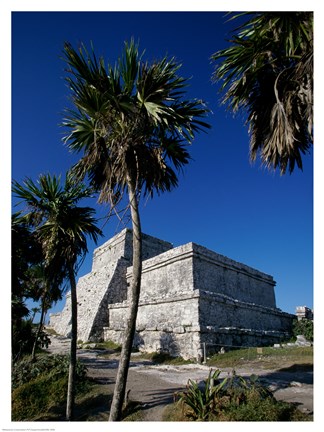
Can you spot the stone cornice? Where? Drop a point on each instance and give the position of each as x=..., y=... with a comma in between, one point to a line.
x=192, y=250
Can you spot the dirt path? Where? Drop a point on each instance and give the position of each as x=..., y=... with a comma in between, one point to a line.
x=151, y=390
x=154, y=385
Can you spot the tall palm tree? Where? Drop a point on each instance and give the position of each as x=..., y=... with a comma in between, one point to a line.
x=62, y=228
x=35, y=311
x=43, y=288
x=267, y=71
x=132, y=126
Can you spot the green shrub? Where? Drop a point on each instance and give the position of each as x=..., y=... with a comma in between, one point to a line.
x=234, y=399
x=304, y=327
x=23, y=338
x=106, y=345
x=109, y=345
x=41, y=385
x=54, y=366
x=261, y=409
x=36, y=397
x=201, y=401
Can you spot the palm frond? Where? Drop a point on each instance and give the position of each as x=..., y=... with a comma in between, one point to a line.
x=267, y=72
x=124, y=114
x=129, y=66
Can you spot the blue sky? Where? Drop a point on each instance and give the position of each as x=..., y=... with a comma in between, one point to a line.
x=223, y=202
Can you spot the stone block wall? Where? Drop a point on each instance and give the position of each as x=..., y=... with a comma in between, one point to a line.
x=94, y=291
x=167, y=275
x=190, y=296
x=222, y=311
x=121, y=245
x=168, y=309
x=188, y=299
x=112, y=250
x=227, y=322
x=216, y=273
x=162, y=325
x=105, y=284
x=61, y=321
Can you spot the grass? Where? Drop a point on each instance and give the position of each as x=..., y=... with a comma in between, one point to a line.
x=232, y=399
x=270, y=358
x=133, y=411
x=107, y=345
x=43, y=399
x=174, y=413
x=268, y=409
x=292, y=359
x=93, y=406
x=40, y=387
x=40, y=401
x=155, y=357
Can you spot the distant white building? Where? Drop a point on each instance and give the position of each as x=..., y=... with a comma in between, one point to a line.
x=304, y=312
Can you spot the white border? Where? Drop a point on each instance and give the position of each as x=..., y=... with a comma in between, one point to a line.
x=6, y=8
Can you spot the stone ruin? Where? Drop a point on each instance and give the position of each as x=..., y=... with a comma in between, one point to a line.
x=304, y=312
x=190, y=298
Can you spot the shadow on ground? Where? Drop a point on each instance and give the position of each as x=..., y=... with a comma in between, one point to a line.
x=160, y=397
x=282, y=378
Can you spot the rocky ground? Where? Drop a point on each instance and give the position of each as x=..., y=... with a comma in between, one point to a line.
x=154, y=385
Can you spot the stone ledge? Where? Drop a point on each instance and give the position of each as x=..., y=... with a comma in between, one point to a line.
x=241, y=331
x=192, y=250
x=223, y=298
x=125, y=304
x=223, y=261
x=171, y=256
x=160, y=329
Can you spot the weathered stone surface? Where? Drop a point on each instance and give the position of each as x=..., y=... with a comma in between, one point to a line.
x=121, y=246
x=216, y=273
x=105, y=284
x=190, y=297
x=302, y=341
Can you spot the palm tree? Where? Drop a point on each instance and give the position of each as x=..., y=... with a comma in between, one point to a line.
x=268, y=72
x=62, y=228
x=35, y=310
x=132, y=126
x=26, y=253
x=43, y=288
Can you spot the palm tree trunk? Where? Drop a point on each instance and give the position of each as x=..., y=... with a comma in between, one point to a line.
x=33, y=356
x=33, y=317
x=73, y=349
x=121, y=380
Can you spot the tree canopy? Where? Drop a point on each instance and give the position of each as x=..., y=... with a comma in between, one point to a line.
x=131, y=119
x=267, y=73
